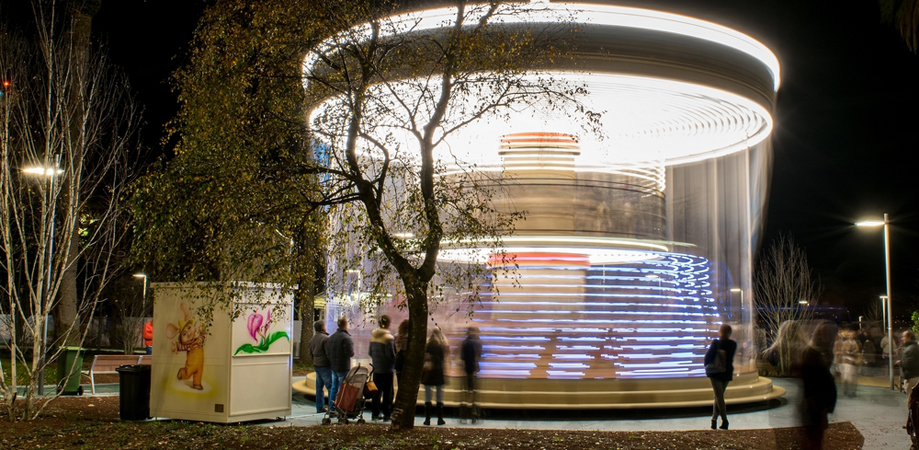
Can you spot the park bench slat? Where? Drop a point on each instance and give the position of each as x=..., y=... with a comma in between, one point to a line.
x=106, y=364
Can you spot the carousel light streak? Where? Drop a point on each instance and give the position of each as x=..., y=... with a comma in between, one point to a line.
x=708, y=123
x=601, y=15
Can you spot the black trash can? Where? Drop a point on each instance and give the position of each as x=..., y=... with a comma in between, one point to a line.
x=134, y=388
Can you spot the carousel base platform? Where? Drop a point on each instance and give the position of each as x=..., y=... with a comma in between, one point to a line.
x=598, y=394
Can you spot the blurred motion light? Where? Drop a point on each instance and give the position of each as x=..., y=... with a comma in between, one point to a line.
x=43, y=171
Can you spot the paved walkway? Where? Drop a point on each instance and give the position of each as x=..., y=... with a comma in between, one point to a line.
x=877, y=411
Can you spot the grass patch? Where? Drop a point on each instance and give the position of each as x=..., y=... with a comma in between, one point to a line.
x=23, y=371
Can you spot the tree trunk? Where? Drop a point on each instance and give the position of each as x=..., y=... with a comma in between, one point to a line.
x=305, y=298
x=65, y=314
x=403, y=417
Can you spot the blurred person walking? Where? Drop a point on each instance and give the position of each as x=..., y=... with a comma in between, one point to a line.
x=869, y=351
x=819, y=388
x=340, y=349
x=432, y=376
x=788, y=345
x=719, y=368
x=383, y=354
x=847, y=357
x=321, y=364
x=470, y=352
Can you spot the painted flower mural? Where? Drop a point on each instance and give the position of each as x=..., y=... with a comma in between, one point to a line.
x=258, y=326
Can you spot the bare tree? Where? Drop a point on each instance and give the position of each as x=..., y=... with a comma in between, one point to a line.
x=129, y=309
x=783, y=280
x=67, y=127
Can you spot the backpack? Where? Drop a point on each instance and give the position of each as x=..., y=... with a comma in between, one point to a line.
x=719, y=364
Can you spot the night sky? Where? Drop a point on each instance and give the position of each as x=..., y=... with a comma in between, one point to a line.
x=846, y=124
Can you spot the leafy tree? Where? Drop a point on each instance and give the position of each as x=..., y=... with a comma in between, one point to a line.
x=292, y=109
x=68, y=111
x=219, y=211
x=904, y=14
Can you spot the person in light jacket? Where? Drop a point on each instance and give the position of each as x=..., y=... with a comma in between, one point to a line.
x=721, y=379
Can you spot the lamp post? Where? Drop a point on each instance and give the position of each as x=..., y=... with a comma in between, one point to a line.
x=143, y=296
x=891, y=345
x=890, y=342
x=883, y=311
x=51, y=173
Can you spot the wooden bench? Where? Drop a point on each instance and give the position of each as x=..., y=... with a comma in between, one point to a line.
x=106, y=364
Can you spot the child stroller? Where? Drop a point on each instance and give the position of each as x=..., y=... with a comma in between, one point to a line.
x=349, y=403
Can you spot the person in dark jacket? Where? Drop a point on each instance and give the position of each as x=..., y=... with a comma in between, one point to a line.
x=401, y=346
x=321, y=363
x=720, y=379
x=470, y=352
x=435, y=352
x=383, y=354
x=909, y=360
x=340, y=349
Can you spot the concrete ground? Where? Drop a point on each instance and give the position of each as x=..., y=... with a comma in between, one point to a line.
x=878, y=412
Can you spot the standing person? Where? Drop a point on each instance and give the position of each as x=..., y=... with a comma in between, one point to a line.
x=322, y=364
x=819, y=388
x=909, y=360
x=383, y=353
x=401, y=346
x=340, y=349
x=869, y=350
x=435, y=352
x=847, y=356
x=148, y=336
x=719, y=368
x=470, y=352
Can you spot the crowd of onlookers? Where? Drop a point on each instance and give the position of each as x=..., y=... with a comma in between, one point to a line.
x=332, y=361
x=858, y=352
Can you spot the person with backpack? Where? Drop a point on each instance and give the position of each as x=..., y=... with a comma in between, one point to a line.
x=719, y=368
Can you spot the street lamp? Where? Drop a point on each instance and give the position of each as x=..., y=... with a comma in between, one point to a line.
x=51, y=173
x=890, y=342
